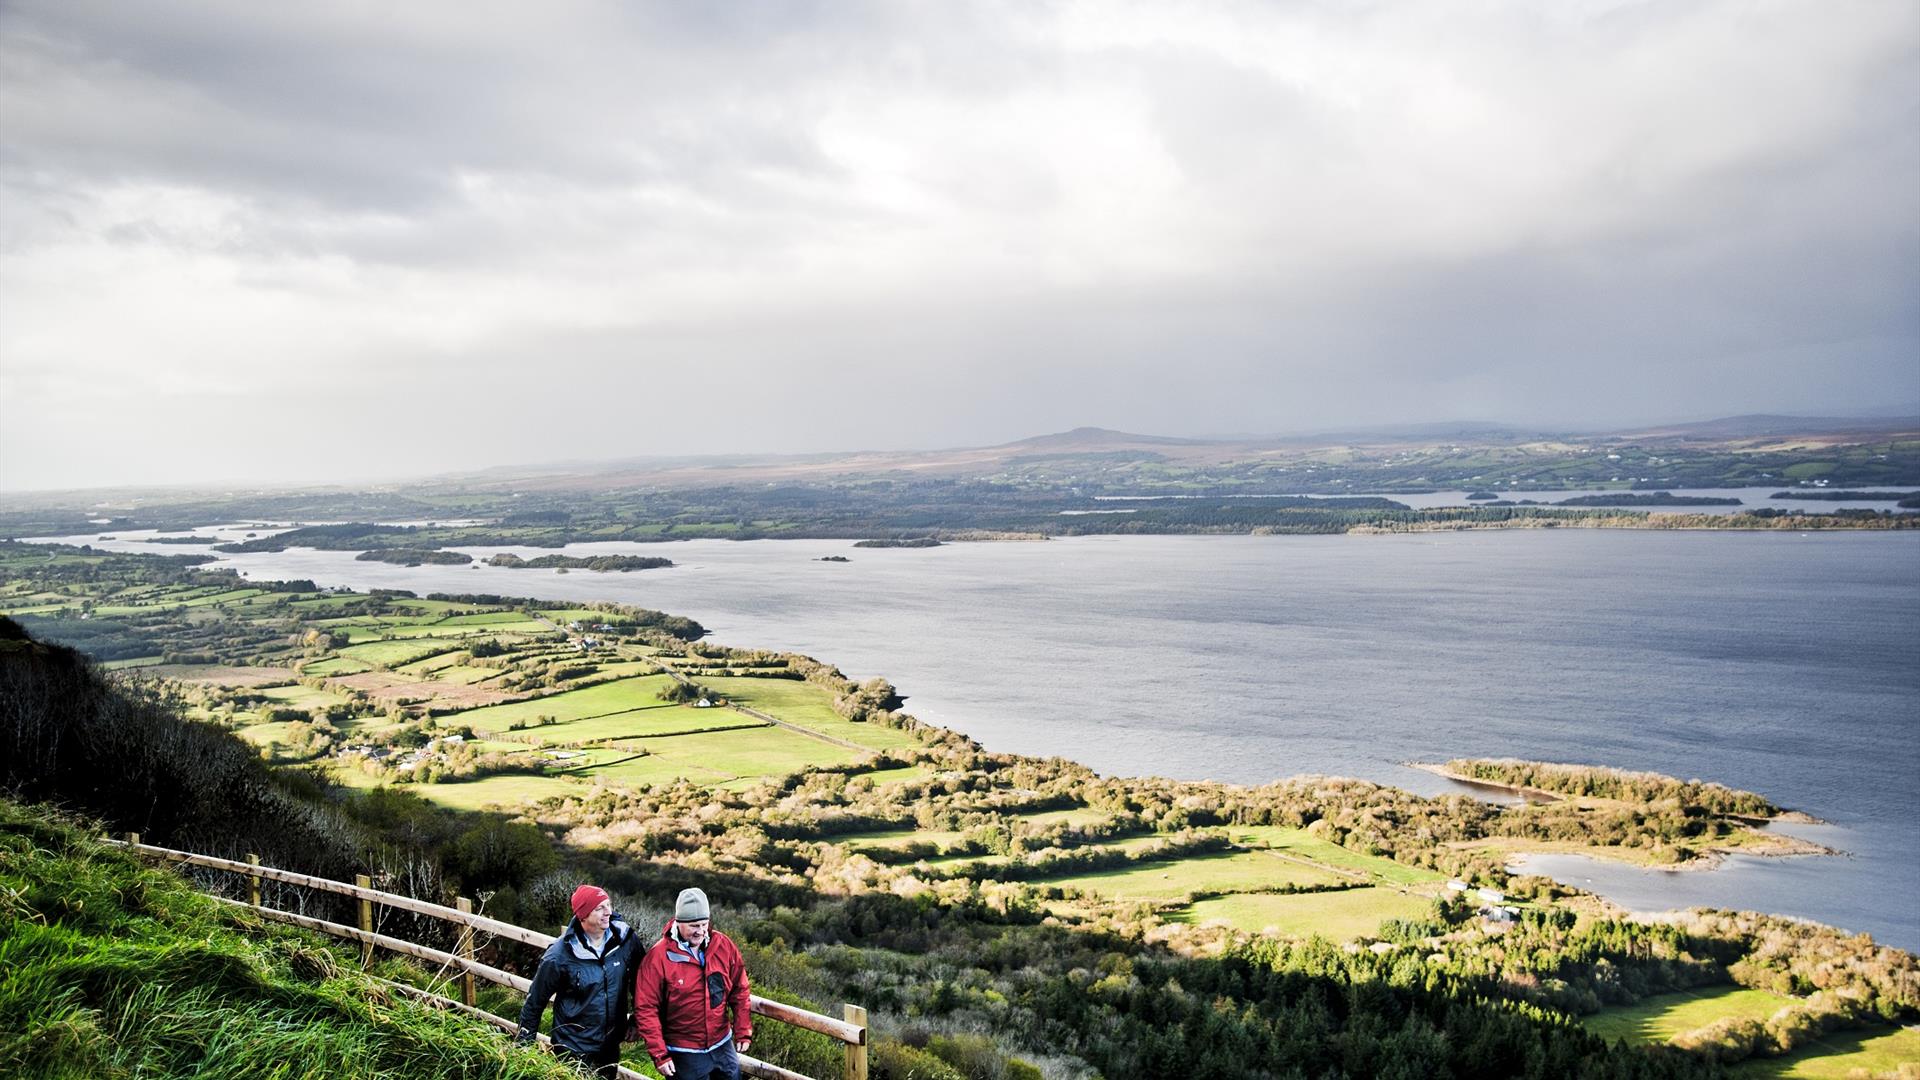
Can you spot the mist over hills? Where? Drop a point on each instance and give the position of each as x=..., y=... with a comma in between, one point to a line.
x=1352, y=458
x=1738, y=433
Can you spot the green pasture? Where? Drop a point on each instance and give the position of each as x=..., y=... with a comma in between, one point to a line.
x=395, y=653
x=334, y=665
x=974, y=866
x=726, y=755
x=1079, y=816
x=623, y=695
x=1303, y=843
x=1659, y=1018
x=564, y=616
x=134, y=662
x=465, y=676
x=266, y=734
x=317, y=602
x=435, y=608
x=227, y=597
x=586, y=757
x=1840, y=1055
x=893, y=839
x=485, y=618
x=520, y=625
x=810, y=706
x=431, y=664
x=899, y=775
x=513, y=789
x=623, y=668
x=653, y=721
x=1131, y=844
x=300, y=697
x=1337, y=916
x=408, y=631
x=1179, y=879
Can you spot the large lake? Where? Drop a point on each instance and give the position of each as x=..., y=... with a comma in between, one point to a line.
x=1785, y=663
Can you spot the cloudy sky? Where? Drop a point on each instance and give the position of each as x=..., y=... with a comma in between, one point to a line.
x=313, y=242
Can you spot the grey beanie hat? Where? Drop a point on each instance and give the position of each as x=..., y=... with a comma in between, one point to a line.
x=691, y=907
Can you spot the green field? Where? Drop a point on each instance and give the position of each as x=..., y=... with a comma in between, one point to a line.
x=431, y=664
x=1841, y=1055
x=1078, y=816
x=229, y=596
x=395, y=653
x=1659, y=1018
x=1304, y=844
x=564, y=616
x=806, y=705
x=1167, y=880
x=334, y=665
x=903, y=774
x=622, y=695
x=300, y=697
x=893, y=839
x=490, y=619
x=465, y=676
x=1338, y=916
x=726, y=755
x=507, y=790
x=1833, y=1056
x=650, y=721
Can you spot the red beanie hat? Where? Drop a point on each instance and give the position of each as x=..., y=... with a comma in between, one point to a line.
x=586, y=898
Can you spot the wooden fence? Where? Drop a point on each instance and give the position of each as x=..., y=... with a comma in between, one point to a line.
x=851, y=1031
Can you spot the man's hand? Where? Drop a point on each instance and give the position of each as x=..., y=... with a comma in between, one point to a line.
x=746, y=1045
x=665, y=1067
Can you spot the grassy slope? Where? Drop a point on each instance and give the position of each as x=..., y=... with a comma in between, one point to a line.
x=1657, y=1019
x=1834, y=1056
x=111, y=970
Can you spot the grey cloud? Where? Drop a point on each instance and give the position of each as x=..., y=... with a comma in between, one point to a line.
x=926, y=223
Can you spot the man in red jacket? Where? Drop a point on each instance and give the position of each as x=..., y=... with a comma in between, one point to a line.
x=685, y=987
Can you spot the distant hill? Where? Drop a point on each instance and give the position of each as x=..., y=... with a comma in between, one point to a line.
x=1096, y=440
x=1819, y=429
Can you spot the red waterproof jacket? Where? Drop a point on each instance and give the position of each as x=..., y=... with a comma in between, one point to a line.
x=681, y=999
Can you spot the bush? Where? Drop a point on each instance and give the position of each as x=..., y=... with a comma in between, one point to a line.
x=889, y=1060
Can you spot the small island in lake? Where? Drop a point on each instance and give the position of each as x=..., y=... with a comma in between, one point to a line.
x=1843, y=495
x=1657, y=498
x=415, y=557
x=910, y=542
x=597, y=563
x=833, y=558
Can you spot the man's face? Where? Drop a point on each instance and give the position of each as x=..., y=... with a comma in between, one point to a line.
x=595, y=922
x=693, y=932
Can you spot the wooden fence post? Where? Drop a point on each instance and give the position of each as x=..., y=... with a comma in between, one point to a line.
x=856, y=1052
x=366, y=919
x=133, y=840
x=465, y=949
x=253, y=882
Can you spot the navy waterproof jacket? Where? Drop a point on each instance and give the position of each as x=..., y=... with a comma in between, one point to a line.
x=590, y=993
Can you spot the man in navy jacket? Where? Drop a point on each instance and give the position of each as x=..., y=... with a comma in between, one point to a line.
x=586, y=974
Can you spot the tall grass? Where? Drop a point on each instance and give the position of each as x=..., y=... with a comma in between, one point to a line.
x=111, y=970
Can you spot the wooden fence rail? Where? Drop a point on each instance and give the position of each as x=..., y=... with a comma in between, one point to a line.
x=851, y=1031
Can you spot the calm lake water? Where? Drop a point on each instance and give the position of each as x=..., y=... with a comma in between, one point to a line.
x=1784, y=663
